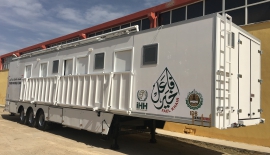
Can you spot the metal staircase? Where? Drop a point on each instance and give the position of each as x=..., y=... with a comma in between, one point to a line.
x=223, y=86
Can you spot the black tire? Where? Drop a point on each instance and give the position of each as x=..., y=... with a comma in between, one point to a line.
x=22, y=116
x=31, y=121
x=41, y=123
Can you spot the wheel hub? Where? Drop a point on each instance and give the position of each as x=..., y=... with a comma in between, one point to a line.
x=41, y=120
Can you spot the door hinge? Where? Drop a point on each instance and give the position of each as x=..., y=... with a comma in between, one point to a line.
x=260, y=81
x=239, y=75
x=239, y=111
x=239, y=41
x=260, y=110
x=259, y=51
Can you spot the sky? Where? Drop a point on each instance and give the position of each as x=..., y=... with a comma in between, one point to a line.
x=27, y=22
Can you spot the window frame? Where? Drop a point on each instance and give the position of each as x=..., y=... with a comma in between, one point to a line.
x=31, y=70
x=143, y=55
x=103, y=61
x=44, y=62
x=88, y=64
x=58, y=66
x=63, y=65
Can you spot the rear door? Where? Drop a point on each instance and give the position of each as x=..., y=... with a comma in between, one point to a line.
x=244, y=77
x=255, y=84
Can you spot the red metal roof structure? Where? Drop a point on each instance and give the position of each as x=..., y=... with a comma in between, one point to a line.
x=151, y=13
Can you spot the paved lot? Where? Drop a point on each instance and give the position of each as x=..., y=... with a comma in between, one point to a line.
x=16, y=139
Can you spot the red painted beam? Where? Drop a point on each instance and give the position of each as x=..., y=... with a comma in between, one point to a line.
x=153, y=19
x=1, y=64
x=132, y=17
x=83, y=36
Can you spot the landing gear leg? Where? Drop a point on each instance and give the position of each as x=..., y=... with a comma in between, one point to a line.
x=115, y=133
x=153, y=132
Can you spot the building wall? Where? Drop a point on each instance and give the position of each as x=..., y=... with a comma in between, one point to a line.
x=259, y=134
x=3, y=86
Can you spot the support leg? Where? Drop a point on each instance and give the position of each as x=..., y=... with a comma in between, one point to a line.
x=153, y=132
x=115, y=133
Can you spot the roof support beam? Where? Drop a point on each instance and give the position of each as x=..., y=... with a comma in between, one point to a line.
x=17, y=54
x=153, y=19
x=43, y=47
x=82, y=36
x=1, y=64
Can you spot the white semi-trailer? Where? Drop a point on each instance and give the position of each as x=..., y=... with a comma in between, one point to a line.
x=203, y=71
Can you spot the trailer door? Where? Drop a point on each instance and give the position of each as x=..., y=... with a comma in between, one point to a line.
x=255, y=76
x=244, y=77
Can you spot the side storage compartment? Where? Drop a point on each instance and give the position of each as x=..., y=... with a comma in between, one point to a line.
x=12, y=107
x=55, y=115
x=97, y=122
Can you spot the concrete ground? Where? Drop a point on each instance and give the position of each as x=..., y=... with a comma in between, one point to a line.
x=17, y=139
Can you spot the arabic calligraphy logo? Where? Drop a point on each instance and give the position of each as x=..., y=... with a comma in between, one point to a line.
x=164, y=92
x=194, y=100
x=142, y=95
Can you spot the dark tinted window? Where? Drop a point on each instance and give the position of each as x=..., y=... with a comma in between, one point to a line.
x=145, y=24
x=229, y=4
x=75, y=39
x=125, y=26
x=212, y=6
x=99, y=33
x=178, y=14
x=233, y=40
x=99, y=61
x=55, y=66
x=164, y=18
x=91, y=35
x=108, y=30
x=254, y=1
x=150, y=54
x=238, y=16
x=260, y=12
x=115, y=28
x=194, y=10
x=137, y=23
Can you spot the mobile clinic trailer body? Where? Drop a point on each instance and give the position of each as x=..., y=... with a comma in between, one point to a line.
x=200, y=71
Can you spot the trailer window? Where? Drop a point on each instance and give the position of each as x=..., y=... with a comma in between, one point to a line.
x=115, y=28
x=136, y=23
x=43, y=70
x=55, y=66
x=179, y=14
x=238, y=16
x=125, y=26
x=232, y=40
x=212, y=6
x=150, y=53
x=27, y=71
x=195, y=10
x=82, y=65
x=145, y=24
x=260, y=12
x=68, y=67
x=164, y=18
x=99, y=61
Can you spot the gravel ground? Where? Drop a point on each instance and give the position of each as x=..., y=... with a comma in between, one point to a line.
x=17, y=139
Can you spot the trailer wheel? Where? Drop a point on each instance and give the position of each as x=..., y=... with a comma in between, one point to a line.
x=31, y=121
x=22, y=117
x=41, y=123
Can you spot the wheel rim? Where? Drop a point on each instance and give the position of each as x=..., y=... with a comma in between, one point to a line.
x=22, y=115
x=31, y=117
x=41, y=120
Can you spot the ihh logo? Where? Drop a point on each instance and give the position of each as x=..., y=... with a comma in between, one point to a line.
x=142, y=96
